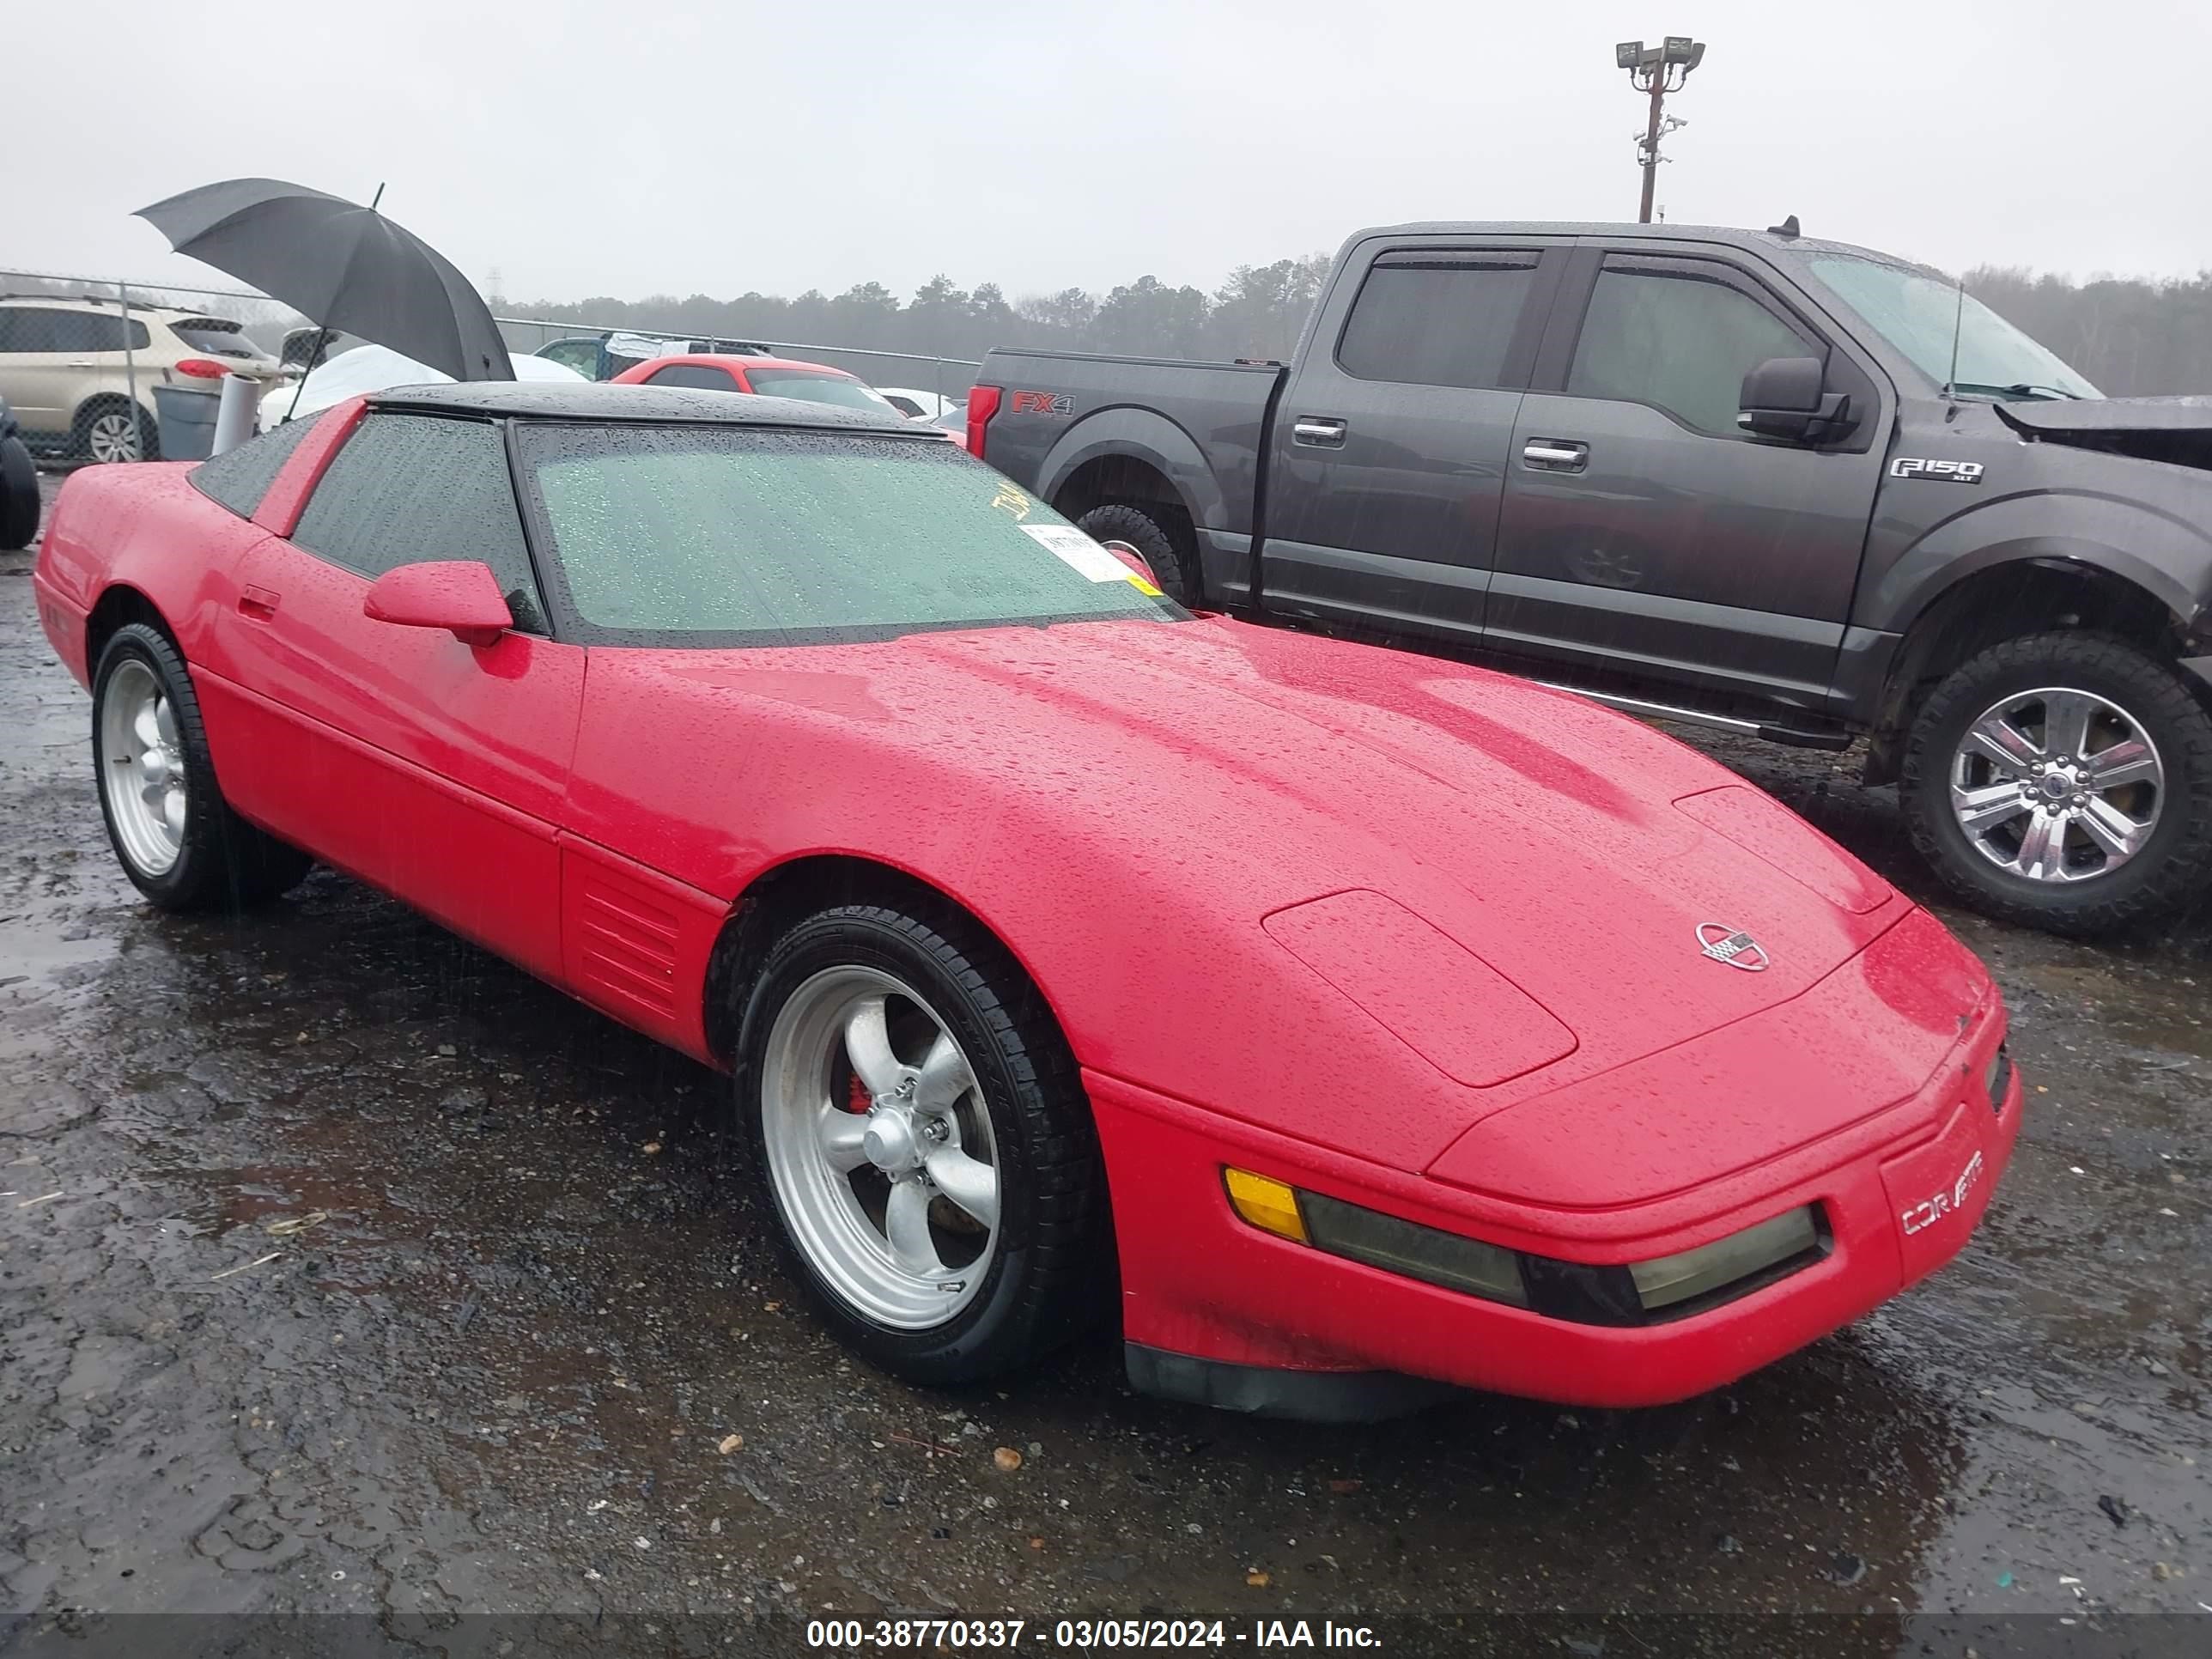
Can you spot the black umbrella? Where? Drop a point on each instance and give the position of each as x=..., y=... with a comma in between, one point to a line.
x=344, y=266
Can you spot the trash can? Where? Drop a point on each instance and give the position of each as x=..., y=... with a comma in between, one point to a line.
x=186, y=422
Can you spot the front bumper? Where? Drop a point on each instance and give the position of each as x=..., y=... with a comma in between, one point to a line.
x=1216, y=1310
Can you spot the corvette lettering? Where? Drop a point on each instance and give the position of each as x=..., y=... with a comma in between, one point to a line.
x=1909, y=466
x=1929, y=1211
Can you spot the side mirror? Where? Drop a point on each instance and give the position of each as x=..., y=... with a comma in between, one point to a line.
x=1786, y=397
x=460, y=595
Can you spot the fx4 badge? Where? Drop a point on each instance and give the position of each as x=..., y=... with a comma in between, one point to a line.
x=1043, y=403
x=1908, y=467
x=1930, y=1209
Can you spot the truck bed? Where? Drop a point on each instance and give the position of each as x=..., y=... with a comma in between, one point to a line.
x=1060, y=412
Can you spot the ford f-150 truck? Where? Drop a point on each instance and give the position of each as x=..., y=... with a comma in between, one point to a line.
x=1742, y=479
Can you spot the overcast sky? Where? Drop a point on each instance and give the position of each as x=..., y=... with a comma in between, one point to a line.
x=576, y=148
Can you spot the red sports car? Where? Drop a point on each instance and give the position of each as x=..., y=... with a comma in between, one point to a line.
x=1342, y=1021
x=764, y=377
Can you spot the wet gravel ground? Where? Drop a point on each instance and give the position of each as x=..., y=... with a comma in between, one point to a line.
x=345, y=1269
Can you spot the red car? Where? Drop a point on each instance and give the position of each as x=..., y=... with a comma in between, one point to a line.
x=764, y=377
x=1342, y=1021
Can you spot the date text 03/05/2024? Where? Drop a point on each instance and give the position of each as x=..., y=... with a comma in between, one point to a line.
x=855, y=1634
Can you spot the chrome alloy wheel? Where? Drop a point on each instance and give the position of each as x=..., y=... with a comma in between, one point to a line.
x=2057, y=785
x=142, y=772
x=880, y=1147
x=112, y=436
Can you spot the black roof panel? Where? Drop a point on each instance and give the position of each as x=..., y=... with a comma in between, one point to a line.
x=594, y=401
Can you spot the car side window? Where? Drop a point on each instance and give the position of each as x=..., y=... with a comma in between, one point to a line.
x=697, y=375
x=1438, y=320
x=39, y=328
x=582, y=356
x=1678, y=339
x=414, y=489
x=240, y=478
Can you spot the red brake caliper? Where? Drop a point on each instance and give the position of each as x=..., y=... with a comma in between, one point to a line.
x=857, y=1098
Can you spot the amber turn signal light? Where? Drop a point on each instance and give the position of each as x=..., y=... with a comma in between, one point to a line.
x=1269, y=1204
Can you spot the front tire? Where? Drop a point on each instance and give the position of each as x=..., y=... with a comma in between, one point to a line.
x=2064, y=782
x=174, y=833
x=1155, y=532
x=925, y=1143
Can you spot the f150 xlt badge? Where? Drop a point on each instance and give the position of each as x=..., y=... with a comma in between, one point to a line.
x=1908, y=467
x=1043, y=403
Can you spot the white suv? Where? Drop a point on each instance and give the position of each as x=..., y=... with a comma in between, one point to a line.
x=70, y=368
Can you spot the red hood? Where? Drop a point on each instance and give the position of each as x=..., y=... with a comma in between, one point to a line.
x=1131, y=805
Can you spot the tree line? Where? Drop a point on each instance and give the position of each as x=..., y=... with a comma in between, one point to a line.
x=2134, y=337
x=1257, y=313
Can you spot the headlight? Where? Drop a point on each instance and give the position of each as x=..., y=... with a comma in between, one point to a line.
x=1641, y=1293
x=1675, y=1278
x=1451, y=1260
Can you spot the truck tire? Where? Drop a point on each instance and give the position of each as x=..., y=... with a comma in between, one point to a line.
x=2064, y=782
x=1151, y=531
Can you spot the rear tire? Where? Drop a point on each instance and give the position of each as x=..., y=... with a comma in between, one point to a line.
x=174, y=833
x=1153, y=531
x=2149, y=847
x=19, y=496
x=113, y=429
x=1002, y=1122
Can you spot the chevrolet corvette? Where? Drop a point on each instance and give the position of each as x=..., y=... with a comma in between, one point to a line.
x=1337, y=1023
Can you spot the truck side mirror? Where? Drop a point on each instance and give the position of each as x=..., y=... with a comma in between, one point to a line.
x=1786, y=397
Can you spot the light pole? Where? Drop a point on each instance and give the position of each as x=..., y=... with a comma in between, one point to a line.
x=1658, y=71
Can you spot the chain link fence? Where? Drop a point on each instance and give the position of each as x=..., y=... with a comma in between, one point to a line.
x=87, y=362
x=84, y=360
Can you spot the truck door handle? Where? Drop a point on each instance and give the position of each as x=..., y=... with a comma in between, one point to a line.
x=258, y=604
x=1555, y=454
x=1323, y=431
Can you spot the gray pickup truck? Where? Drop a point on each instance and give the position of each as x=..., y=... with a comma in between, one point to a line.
x=1742, y=479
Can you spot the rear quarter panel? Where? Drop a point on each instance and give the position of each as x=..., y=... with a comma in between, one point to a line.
x=1203, y=425
x=142, y=526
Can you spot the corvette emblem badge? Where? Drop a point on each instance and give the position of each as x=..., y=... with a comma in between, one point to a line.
x=1733, y=946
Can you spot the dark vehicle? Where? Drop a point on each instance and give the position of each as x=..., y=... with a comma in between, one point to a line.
x=1747, y=479
x=19, y=486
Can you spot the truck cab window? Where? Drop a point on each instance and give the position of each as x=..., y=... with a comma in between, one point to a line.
x=1677, y=342
x=1437, y=322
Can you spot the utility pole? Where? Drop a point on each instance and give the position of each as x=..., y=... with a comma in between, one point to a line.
x=1657, y=70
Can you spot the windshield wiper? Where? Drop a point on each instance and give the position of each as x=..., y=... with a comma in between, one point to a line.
x=2019, y=390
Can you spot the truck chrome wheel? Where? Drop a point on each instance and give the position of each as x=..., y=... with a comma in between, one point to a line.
x=880, y=1147
x=2057, y=785
x=142, y=773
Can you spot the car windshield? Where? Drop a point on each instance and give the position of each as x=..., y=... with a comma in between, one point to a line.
x=718, y=536
x=1922, y=316
x=838, y=389
x=215, y=337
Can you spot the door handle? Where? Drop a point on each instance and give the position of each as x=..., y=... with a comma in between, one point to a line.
x=258, y=604
x=1555, y=454
x=1322, y=431
x=80, y=362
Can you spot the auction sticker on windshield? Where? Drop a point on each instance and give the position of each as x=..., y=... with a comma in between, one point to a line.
x=1079, y=553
